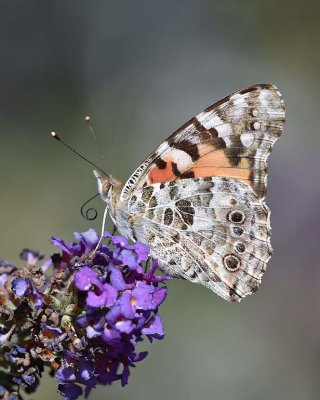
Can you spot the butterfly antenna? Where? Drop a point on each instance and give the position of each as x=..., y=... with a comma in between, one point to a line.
x=90, y=126
x=55, y=136
x=86, y=213
x=88, y=122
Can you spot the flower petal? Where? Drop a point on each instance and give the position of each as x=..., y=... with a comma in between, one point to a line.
x=110, y=335
x=120, y=241
x=142, y=296
x=154, y=327
x=85, y=278
x=159, y=296
x=117, y=279
x=124, y=326
x=20, y=287
x=111, y=294
x=129, y=259
x=142, y=251
x=90, y=239
x=95, y=300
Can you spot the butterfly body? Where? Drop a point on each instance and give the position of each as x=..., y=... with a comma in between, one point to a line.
x=198, y=200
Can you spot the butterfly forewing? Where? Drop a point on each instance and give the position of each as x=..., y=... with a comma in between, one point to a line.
x=232, y=138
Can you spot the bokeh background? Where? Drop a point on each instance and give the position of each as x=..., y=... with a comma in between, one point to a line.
x=140, y=69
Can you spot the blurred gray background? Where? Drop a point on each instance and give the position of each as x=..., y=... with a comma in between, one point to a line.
x=140, y=69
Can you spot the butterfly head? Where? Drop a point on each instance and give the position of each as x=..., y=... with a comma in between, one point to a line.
x=106, y=184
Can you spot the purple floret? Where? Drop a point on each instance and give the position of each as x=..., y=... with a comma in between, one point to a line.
x=20, y=287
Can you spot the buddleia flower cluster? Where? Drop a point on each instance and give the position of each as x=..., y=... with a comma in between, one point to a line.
x=81, y=314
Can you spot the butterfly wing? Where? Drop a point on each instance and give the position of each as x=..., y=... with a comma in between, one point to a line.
x=213, y=231
x=198, y=199
x=231, y=138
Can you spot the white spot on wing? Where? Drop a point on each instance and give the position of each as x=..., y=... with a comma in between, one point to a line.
x=256, y=125
x=264, y=95
x=224, y=130
x=247, y=139
x=181, y=158
x=209, y=120
x=239, y=101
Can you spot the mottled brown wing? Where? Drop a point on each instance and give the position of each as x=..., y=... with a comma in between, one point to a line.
x=214, y=231
x=232, y=138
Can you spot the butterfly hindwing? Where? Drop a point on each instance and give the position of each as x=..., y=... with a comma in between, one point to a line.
x=232, y=138
x=213, y=231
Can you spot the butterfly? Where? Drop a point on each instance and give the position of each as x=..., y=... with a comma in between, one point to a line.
x=198, y=199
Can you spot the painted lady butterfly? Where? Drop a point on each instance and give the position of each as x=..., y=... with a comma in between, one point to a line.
x=198, y=200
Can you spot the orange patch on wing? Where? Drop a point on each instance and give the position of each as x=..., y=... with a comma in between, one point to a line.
x=217, y=164
x=242, y=174
x=216, y=159
x=211, y=163
x=158, y=175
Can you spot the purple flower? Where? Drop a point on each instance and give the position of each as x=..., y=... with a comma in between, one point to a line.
x=117, y=280
x=83, y=318
x=85, y=278
x=129, y=259
x=106, y=298
x=142, y=251
x=20, y=287
x=5, y=334
x=3, y=279
x=31, y=256
x=154, y=327
x=88, y=240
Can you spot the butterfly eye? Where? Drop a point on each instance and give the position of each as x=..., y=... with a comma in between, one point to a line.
x=231, y=262
x=106, y=187
x=236, y=216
